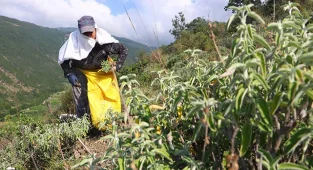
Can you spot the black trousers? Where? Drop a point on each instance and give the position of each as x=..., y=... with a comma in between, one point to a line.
x=80, y=94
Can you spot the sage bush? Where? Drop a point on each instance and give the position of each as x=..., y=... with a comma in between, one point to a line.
x=252, y=111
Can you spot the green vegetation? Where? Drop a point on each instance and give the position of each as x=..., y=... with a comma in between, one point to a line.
x=272, y=9
x=252, y=110
x=194, y=35
x=247, y=105
x=29, y=71
x=38, y=146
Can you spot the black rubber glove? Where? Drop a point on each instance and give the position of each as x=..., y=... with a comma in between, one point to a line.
x=73, y=80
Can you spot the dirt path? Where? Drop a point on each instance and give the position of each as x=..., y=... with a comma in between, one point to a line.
x=3, y=143
x=91, y=145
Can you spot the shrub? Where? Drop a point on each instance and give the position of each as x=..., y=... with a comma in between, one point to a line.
x=38, y=146
x=253, y=111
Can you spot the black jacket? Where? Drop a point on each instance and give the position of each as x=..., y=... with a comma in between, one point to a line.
x=98, y=54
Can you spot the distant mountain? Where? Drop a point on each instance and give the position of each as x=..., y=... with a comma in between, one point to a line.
x=29, y=71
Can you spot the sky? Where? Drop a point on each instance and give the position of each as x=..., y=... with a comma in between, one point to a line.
x=145, y=21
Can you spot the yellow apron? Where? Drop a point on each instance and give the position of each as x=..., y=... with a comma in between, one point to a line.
x=103, y=94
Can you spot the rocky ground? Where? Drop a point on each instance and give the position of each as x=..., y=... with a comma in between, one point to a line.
x=89, y=146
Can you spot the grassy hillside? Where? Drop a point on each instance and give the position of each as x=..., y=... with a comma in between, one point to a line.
x=29, y=71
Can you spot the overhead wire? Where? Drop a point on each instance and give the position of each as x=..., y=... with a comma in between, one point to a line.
x=131, y=23
x=115, y=6
x=156, y=30
x=143, y=24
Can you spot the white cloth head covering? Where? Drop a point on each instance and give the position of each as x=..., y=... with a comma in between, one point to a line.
x=78, y=46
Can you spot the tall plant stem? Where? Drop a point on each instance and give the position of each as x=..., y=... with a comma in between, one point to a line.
x=206, y=141
x=61, y=152
x=274, y=10
x=84, y=146
x=236, y=129
x=214, y=42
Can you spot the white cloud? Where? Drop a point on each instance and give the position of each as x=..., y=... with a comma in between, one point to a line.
x=155, y=16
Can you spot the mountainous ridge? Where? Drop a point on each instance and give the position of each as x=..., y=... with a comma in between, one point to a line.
x=29, y=71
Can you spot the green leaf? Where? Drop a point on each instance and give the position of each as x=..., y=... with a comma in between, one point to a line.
x=292, y=89
x=278, y=38
x=142, y=161
x=246, y=136
x=265, y=164
x=308, y=75
x=252, y=63
x=234, y=8
x=274, y=25
x=309, y=93
x=219, y=116
x=192, y=164
x=230, y=20
x=306, y=57
x=276, y=102
x=210, y=120
x=250, y=31
x=266, y=155
x=291, y=24
x=261, y=80
x=232, y=69
x=123, y=135
x=299, y=136
x=279, y=80
x=264, y=112
x=275, y=162
x=143, y=124
x=234, y=46
x=263, y=140
x=228, y=109
x=107, y=137
x=163, y=153
x=194, y=110
x=121, y=163
x=289, y=59
x=262, y=127
x=262, y=61
x=84, y=162
x=248, y=7
x=307, y=44
x=240, y=97
x=294, y=44
x=291, y=166
x=299, y=95
x=236, y=65
x=299, y=75
x=309, y=27
x=197, y=131
x=259, y=39
x=256, y=17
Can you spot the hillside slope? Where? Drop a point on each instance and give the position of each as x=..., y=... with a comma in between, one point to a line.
x=29, y=71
